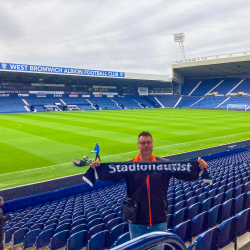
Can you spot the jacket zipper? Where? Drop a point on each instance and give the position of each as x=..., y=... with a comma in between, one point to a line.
x=149, y=204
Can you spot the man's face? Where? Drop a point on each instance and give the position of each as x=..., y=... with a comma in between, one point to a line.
x=1, y=202
x=145, y=145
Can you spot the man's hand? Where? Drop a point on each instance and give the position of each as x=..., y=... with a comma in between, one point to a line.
x=202, y=163
x=95, y=164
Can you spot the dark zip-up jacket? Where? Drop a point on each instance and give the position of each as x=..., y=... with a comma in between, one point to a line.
x=153, y=201
x=3, y=218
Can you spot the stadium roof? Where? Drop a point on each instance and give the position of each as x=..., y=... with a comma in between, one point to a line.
x=33, y=73
x=221, y=67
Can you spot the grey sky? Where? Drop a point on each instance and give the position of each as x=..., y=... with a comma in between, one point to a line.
x=129, y=35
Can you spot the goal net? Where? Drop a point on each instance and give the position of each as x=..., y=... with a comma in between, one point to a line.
x=237, y=106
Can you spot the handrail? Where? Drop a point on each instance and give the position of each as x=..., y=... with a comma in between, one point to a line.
x=151, y=240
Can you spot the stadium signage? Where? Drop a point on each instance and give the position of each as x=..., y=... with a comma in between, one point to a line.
x=173, y=167
x=58, y=70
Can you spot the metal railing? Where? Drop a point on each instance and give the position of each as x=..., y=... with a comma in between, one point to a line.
x=204, y=58
x=150, y=240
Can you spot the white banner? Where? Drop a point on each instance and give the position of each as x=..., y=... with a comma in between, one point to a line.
x=143, y=90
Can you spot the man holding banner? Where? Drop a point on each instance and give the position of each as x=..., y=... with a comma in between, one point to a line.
x=147, y=178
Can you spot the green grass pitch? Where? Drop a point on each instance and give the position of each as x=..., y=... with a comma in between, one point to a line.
x=41, y=146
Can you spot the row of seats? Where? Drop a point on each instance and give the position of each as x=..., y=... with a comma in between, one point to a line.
x=99, y=211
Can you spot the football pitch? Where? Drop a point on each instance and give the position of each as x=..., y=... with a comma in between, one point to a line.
x=41, y=146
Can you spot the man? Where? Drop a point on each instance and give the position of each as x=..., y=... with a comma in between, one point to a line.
x=3, y=220
x=97, y=150
x=151, y=215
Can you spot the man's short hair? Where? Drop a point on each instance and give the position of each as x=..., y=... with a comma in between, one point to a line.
x=1, y=198
x=144, y=133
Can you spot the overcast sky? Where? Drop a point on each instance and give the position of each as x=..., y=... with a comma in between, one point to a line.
x=126, y=35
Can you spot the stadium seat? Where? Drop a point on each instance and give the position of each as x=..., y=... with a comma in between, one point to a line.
x=243, y=222
x=218, y=199
x=30, y=238
x=206, y=241
x=240, y=203
x=117, y=231
x=43, y=239
x=66, y=226
x=215, y=216
x=95, y=229
x=59, y=240
x=227, y=232
x=207, y=204
x=78, y=228
x=228, y=209
x=199, y=224
x=113, y=222
x=184, y=230
x=194, y=210
x=8, y=234
x=121, y=239
x=77, y=240
x=18, y=236
x=99, y=241
x=180, y=216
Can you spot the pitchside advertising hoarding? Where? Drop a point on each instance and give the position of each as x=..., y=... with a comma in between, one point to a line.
x=58, y=70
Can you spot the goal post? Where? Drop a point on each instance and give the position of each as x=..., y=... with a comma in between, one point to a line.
x=237, y=107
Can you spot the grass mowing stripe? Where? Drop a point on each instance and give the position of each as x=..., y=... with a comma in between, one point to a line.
x=61, y=136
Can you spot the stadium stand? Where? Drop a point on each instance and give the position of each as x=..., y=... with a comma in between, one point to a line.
x=236, y=100
x=215, y=213
x=166, y=100
x=244, y=86
x=187, y=101
x=205, y=86
x=226, y=85
x=11, y=105
x=210, y=102
x=104, y=103
x=191, y=84
x=127, y=102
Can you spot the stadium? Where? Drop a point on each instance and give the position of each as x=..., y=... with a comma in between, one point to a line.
x=52, y=116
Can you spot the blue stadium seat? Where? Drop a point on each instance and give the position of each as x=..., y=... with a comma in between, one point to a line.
x=66, y=226
x=99, y=241
x=117, y=231
x=180, y=216
x=192, y=201
x=78, y=228
x=180, y=205
x=206, y=241
x=184, y=230
x=95, y=229
x=109, y=217
x=59, y=240
x=43, y=239
x=78, y=222
x=199, y=224
x=121, y=239
x=215, y=216
x=243, y=222
x=77, y=240
x=30, y=238
x=95, y=222
x=113, y=222
x=218, y=199
x=18, y=236
x=227, y=232
x=240, y=203
x=207, y=204
x=194, y=210
x=228, y=209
